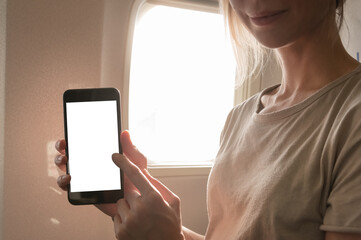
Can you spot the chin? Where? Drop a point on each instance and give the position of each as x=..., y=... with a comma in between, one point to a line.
x=273, y=42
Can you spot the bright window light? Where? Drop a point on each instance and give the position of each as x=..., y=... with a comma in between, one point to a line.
x=181, y=85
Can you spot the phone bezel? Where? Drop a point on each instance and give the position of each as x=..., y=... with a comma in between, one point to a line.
x=87, y=95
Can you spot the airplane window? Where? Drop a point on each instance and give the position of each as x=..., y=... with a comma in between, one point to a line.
x=181, y=85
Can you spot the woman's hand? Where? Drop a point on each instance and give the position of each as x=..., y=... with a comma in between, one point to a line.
x=151, y=212
x=129, y=150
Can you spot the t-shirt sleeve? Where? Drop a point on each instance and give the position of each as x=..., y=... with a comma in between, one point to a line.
x=343, y=212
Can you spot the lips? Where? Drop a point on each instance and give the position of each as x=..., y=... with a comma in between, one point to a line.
x=262, y=19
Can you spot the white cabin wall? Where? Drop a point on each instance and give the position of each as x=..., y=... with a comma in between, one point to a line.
x=51, y=46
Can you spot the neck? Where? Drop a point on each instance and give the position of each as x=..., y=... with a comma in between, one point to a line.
x=308, y=65
x=313, y=62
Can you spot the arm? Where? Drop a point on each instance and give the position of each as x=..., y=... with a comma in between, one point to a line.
x=342, y=236
x=190, y=235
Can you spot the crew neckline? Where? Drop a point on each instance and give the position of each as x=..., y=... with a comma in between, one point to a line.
x=284, y=113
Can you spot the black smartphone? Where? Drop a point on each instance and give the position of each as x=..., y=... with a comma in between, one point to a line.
x=92, y=135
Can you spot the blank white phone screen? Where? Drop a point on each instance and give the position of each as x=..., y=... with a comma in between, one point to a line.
x=92, y=139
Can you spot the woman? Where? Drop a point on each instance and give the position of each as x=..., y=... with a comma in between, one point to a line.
x=289, y=161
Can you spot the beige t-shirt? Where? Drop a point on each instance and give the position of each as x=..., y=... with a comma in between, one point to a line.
x=291, y=174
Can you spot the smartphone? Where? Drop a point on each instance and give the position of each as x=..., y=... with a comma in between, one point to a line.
x=92, y=135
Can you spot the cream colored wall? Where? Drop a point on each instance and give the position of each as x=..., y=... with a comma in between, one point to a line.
x=2, y=105
x=51, y=46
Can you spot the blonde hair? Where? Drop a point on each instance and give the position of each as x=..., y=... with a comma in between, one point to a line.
x=250, y=55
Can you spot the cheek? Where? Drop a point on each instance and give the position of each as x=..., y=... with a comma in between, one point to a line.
x=235, y=4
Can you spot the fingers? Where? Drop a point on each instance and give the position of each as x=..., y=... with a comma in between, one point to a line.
x=123, y=209
x=120, y=231
x=60, y=146
x=134, y=174
x=127, y=204
x=61, y=161
x=126, y=142
x=131, y=151
x=117, y=226
x=64, y=181
x=109, y=209
x=172, y=199
x=132, y=199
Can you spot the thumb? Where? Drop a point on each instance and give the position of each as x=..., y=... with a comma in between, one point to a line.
x=127, y=145
x=131, y=151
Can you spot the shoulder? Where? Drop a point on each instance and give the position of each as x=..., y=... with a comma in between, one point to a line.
x=343, y=97
x=348, y=97
x=351, y=85
x=345, y=112
x=244, y=110
x=240, y=115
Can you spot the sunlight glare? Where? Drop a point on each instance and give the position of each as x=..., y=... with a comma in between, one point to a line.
x=181, y=85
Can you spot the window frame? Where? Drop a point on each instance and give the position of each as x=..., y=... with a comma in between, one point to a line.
x=139, y=8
